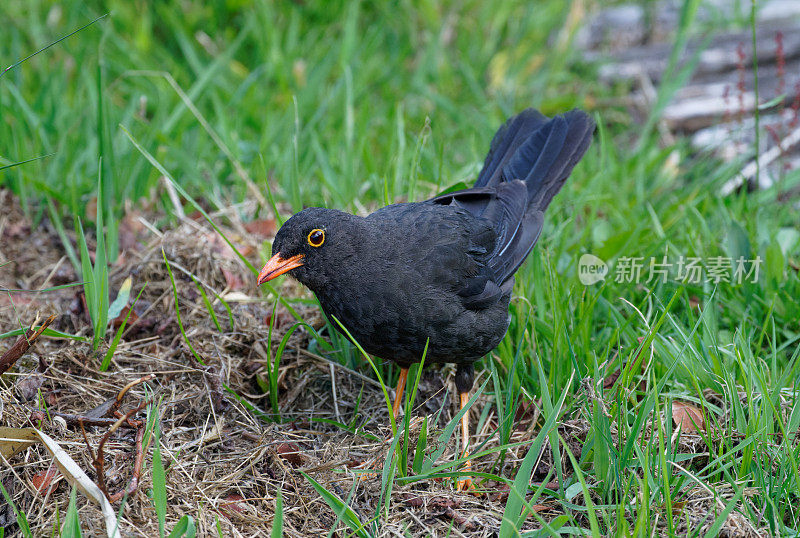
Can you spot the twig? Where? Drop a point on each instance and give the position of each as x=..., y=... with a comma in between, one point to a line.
x=359, y=375
x=109, y=408
x=137, y=467
x=23, y=343
x=174, y=198
x=101, y=483
x=98, y=461
x=333, y=391
x=132, y=384
x=72, y=420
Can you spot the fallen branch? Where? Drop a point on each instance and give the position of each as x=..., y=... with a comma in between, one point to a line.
x=23, y=344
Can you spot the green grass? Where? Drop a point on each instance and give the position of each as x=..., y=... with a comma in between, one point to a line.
x=352, y=105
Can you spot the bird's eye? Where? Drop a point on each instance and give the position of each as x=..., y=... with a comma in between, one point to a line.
x=316, y=237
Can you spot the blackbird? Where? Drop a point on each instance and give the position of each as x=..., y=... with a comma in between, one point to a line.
x=440, y=271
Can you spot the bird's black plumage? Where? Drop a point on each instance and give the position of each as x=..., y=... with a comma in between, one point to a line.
x=443, y=269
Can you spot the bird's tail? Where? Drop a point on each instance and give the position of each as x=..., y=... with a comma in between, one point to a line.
x=540, y=151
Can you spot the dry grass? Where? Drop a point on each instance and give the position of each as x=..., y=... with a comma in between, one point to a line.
x=224, y=464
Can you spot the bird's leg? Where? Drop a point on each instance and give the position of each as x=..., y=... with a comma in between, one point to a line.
x=464, y=378
x=398, y=393
x=465, y=484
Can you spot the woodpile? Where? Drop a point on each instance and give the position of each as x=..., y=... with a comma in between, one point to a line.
x=717, y=104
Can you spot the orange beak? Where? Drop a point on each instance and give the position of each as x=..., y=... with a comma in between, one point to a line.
x=276, y=266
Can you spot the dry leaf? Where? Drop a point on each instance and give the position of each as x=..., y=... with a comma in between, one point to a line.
x=609, y=381
x=687, y=417
x=261, y=227
x=91, y=209
x=282, y=318
x=536, y=508
x=75, y=475
x=117, y=321
x=234, y=505
x=499, y=492
x=46, y=482
x=13, y=440
x=291, y=453
x=28, y=386
x=233, y=281
x=236, y=297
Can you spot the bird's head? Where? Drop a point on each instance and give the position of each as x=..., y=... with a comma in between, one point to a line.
x=311, y=246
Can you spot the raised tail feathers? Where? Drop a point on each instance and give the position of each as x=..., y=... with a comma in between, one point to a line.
x=506, y=142
x=530, y=158
x=541, y=152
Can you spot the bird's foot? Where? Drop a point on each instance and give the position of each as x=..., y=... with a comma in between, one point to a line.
x=465, y=485
x=368, y=469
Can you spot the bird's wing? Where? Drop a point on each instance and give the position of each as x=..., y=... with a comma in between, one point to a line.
x=503, y=209
x=451, y=247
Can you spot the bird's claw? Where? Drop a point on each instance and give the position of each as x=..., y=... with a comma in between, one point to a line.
x=368, y=469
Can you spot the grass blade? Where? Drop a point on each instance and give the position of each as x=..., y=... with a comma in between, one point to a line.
x=159, y=479
x=184, y=527
x=100, y=269
x=178, y=310
x=513, y=515
x=90, y=291
x=12, y=165
x=422, y=444
x=113, y=347
x=206, y=302
x=52, y=333
x=22, y=521
x=72, y=525
x=277, y=522
x=56, y=42
x=587, y=497
x=723, y=516
x=341, y=508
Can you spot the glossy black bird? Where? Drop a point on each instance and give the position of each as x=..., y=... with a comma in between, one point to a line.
x=442, y=269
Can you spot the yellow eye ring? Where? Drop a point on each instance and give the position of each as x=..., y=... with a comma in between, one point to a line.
x=316, y=237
